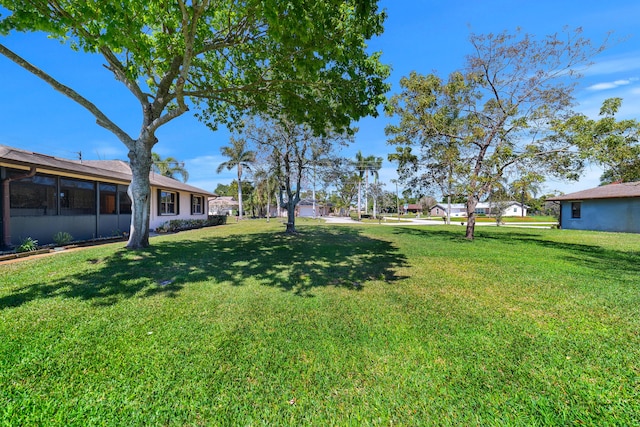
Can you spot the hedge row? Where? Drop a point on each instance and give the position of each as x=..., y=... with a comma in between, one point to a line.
x=189, y=224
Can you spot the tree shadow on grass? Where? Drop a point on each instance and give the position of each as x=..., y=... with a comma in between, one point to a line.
x=317, y=257
x=605, y=260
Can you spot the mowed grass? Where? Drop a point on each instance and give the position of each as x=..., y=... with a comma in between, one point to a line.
x=338, y=325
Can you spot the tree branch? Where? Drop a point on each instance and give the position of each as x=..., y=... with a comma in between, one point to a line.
x=101, y=119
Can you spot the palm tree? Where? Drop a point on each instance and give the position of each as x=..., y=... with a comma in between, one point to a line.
x=239, y=157
x=373, y=166
x=361, y=167
x=169, y=167
x=266, y=185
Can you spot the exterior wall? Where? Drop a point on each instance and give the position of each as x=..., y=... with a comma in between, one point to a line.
x=81, y=227
x=43, y=223
x=222, y=210
x=112, y=225
x=482, y=208
x=307, y=210
x=184, y=211
x=515, y=210
x=32, y=223
x=42, y=228
x=619, y=215
x=442, y=211
x=222, y=206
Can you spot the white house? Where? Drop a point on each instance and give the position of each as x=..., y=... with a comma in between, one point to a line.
x=511, y=208
x=223, y=205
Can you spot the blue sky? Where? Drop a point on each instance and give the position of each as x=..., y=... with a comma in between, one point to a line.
x=422, y=35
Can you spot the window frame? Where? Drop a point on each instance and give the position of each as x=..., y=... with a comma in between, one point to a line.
x=194, y=198
x=78, y=197
x=163, y=206
x=44, y=188
x=576, y=210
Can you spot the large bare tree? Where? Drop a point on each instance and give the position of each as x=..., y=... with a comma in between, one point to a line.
x=495, y=114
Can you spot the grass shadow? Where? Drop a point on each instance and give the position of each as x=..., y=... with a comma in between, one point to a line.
x=601, y=258
x=316, y=257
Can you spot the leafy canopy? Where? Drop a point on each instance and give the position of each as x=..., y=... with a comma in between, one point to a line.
x=307, y=58
x=607, y=141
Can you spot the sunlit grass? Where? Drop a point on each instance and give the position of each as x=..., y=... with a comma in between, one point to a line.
x=338, y=325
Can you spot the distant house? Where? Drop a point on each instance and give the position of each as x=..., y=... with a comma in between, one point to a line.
x=305, y=208
x=43, y=195
x=412, y=208
x=441, y=209
x=613, y=207
x=223, y=205
x=511, y=208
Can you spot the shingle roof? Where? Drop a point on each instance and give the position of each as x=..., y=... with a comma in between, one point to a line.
x=611, y=191
x=109, y=169
x=43, y=161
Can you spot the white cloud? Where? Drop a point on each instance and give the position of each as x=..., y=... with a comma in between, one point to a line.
x=612, y=85
x=615, y=64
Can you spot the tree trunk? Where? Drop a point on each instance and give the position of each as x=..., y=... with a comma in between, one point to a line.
x=375, y=204
x=359, y=198
x=268, y=203
x=140, y=193
x=291, y=217
x=239, y=192
x=366, y=195
x=472, y=202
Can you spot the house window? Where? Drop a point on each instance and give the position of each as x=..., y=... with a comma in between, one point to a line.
x=575, y=209
x=197, y=205
x=108, y=195
x=515, y=209
x=35, y=196
x=123, y=200
x=168, y=204
x=77, y=197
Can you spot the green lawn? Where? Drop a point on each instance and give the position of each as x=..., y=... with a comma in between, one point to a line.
x=339, y=325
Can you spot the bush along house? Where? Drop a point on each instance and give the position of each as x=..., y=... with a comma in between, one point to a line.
x=43, y=195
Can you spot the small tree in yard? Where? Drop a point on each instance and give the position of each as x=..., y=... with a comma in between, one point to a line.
x=341, y=173
x=292, y=149
x=499, y=209
x=495, y=114
x=227, y=57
